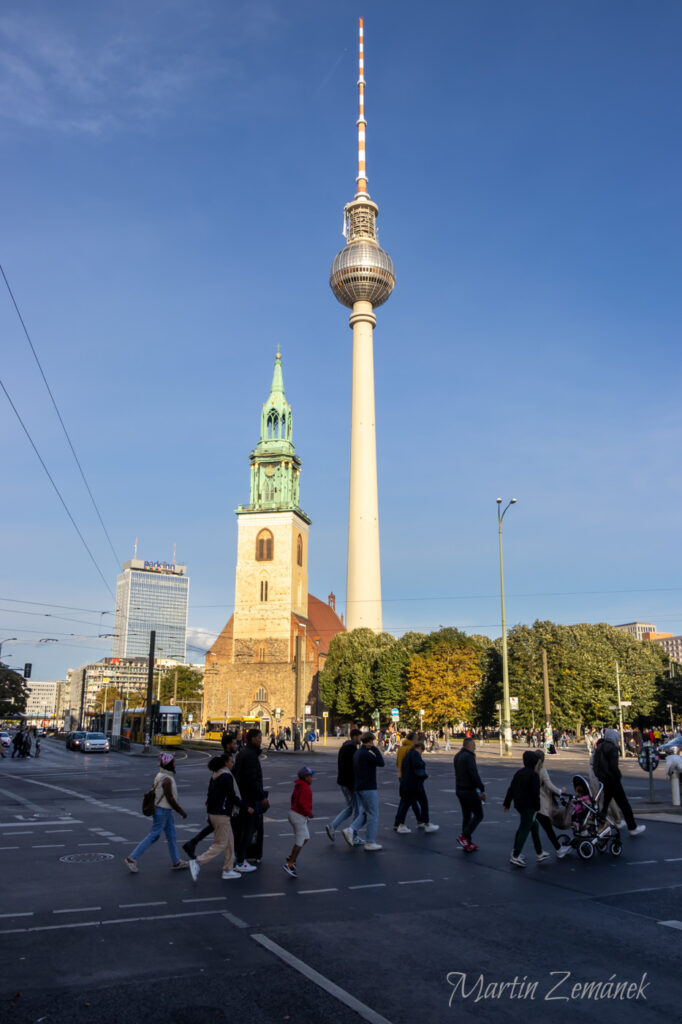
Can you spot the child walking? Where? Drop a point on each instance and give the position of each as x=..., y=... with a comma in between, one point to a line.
x=301, y=811
x=525, y=792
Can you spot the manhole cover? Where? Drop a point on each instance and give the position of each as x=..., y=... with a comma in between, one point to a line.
x=85, y=858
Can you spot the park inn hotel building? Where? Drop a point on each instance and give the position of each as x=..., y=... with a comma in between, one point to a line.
x=151, y=596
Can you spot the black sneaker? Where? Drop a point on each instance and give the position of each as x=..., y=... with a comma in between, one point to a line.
x=290, y=869
x=190, y=850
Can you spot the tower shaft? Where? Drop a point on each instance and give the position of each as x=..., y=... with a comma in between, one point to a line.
x=363, y=581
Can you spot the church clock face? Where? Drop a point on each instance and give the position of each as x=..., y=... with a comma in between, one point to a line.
x=269, y=471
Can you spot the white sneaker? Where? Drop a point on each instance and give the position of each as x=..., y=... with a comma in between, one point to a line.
x=542, y=856
x=403, y=830
x=431, y=828
x=621, y=823
x=638, y=831
x=347, y=834
x=373, y=846
x=229, y=874
x=520, y=861
x=244, y=868
x=562, y=851
x=194, y=869
x=421, y=824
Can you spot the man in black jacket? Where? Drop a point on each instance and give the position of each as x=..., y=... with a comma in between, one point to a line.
x=345, y=778
x=605, y=767
x=366, y=760
x=525, y=792
x=249, y=777
x=412, y=793
x=470, y=793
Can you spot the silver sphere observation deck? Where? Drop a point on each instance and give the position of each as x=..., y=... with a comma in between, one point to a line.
x=362, y=271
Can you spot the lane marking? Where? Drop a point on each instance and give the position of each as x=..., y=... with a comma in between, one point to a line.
x=309, y=892
x=366, y=1012
x=86, y=798
x=24, y=913
x=55, y=831
x=160, y=903
x=48, y=846
x=205, y=899
x=75, y=910
x=672, y=924
x=23, y=824
x=632, y=863
x=371, y=885
x=261, y=895
x=416, y=881
x=233, y=919
x=672, y=860
x=95, y=924
x=10, y=847
x=93, y=844
x=36, y=808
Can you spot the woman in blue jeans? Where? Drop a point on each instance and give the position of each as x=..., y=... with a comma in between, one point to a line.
x=165, y=802
x=366, y=760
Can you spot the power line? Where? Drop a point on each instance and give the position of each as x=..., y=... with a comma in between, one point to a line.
x=57, y=491
x=59, y=415
x=65, y=607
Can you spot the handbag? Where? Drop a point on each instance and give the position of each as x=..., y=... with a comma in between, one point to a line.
x=560, y=814
x=149, y=802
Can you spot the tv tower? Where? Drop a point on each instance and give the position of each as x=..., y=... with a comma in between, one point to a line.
x=362, y=277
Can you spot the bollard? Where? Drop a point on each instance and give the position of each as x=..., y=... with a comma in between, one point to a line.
x=675, y=780
x=673, y=767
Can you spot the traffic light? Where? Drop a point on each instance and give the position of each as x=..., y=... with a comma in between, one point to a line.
x=27, y=670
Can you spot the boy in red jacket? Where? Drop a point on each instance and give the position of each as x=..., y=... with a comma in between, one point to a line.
x=301, y=811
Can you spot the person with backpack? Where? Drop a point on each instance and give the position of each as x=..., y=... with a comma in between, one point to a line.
x=165, y=802
x=223, y=800
x=524, y=791
x=605, y=767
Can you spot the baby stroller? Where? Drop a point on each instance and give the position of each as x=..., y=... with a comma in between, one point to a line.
x=590, y=828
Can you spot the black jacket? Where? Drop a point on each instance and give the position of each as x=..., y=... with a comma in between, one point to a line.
x=525, y=786
x=605, y=761
x=366, y=760
x=467, y=779
x=346, y=774
x=221, y=797
x=413, y=773
x=249, y=775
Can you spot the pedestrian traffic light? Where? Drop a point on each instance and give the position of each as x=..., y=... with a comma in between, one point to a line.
x=27, y=670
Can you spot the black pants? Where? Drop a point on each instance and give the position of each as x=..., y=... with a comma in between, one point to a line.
x=195, y=840
x=544, y=821
x=409, y=798
x=472, y=812
x=527, y=824
x=248, y=838
x=613, y=790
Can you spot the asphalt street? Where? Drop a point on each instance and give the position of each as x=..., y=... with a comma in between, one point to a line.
x=417, y=928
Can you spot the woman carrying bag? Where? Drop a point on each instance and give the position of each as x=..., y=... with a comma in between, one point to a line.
x=548, y=791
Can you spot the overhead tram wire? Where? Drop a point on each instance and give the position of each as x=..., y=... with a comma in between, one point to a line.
x=57, y=491
x=59, y=415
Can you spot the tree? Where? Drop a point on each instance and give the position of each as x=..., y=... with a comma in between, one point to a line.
x=441, y=680
x=390, y=671
x=183, y=683
x=13, y=693
x=348, y=684
x=105, y=697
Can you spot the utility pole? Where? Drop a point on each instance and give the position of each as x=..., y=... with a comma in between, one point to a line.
x=175, y=686
x=548, y=707
x=81, y=717
x=297, y=694
x=150, y=694
x=620, y=713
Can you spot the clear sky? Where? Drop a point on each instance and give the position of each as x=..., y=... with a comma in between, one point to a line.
x=173, y=180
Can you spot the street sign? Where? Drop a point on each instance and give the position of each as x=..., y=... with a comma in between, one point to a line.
x=394, y=711
x=514, y=703
x=325, y=714
x=648, y=757
x=190, y=717
x=395, y=716
x=308, y=709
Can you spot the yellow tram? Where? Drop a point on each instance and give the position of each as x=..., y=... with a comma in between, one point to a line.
x=166, y=727
x=214, y=729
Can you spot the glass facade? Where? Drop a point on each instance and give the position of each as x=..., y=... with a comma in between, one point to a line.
x=151, y=596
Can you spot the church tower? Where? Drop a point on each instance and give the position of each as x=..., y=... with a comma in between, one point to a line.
x=272, y=544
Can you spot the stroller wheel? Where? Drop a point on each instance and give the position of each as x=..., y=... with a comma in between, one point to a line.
x=564, y=840
x=585, y=849
x=615, y=847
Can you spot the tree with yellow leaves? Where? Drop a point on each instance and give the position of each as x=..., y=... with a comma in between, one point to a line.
x=441, y=680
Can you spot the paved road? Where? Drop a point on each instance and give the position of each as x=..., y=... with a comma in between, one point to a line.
x=406, y=931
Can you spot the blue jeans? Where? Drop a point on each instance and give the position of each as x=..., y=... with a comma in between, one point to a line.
x=368, y=800
x=351, y=810
x=161, y=822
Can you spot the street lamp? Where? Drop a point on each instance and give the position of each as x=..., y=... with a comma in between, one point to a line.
x=6, y=641
x=506, y=710
x=672, y=723
x=421, y=720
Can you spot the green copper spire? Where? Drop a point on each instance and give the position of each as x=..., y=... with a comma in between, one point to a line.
x=275, y=467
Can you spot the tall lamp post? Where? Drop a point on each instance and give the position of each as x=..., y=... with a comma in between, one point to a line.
x=6, y=641
x=506, y=710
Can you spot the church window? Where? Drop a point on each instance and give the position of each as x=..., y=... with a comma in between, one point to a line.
x=264, y=547
x=299, y=550
x=273, y=424
x=261, y=654
x=263, y=590
x=261, y=696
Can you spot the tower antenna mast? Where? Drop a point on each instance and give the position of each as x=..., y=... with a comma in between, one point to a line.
x=362, y=123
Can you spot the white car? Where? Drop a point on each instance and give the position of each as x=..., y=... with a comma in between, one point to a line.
x=94, y=741
x=4, y=738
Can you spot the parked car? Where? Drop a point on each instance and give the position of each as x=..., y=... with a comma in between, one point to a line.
x=4, y=738
x=94, y=741
x=74, y=740
x=673, y=746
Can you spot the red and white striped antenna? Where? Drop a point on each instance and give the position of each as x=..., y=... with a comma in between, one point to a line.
x=362, y=166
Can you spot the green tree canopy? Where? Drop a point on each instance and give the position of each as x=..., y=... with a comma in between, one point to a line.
x=442, y=678
x=13, y=693
x=186, y=683
x=348, y=683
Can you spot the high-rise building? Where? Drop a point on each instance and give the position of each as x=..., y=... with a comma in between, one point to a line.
x=266, y=660
x=362, y=278
x=151, y=596
x=637, y=629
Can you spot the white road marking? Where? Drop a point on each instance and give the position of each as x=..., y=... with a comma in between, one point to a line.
x=233, y=919
x=416, y=881
x=55, y=831
x=160, y=903
x=75, y=910
x=93, y=844
x=671, y=860
x=117, y=920
x=36, y=808
x=24, y=913
x=672, y=924
x=633, y=863
x=205, y=899
x=48, y=846
x=88, y=799
x=310, y=892
x=366, y=1012
x=371, y=885
x=10, y=847
x=11, y=835
x=261, y=895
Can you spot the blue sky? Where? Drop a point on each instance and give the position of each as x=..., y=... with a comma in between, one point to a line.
x=174, y=176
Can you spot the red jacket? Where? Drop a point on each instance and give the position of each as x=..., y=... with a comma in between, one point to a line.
x=302, y=798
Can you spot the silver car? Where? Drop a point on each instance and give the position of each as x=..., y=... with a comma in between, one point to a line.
x=94, y=741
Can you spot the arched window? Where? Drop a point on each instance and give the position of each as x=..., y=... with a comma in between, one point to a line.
x=273, y=424
x=299, y=550
x=261, y=654
x=261, y=696
x=265, y=546
x=263, y=590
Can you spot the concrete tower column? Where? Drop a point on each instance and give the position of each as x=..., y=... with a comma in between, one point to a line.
x=363, y=582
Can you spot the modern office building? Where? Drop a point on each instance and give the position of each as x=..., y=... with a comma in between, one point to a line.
x=42, y=698
x=672, y=645
x=637, y=629
x=151, y=596
x=128, y=676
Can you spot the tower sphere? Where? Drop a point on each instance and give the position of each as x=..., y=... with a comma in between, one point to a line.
x=362, y=271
